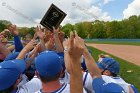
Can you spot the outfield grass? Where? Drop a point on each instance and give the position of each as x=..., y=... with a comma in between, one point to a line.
x=115, y=42
x=129, y=72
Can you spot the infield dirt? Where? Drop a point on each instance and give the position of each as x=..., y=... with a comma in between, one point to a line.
x=127, y=52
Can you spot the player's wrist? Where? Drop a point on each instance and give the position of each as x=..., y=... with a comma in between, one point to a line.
x=85, y=51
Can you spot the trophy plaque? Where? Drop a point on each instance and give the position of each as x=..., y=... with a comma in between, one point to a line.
x=53, y=17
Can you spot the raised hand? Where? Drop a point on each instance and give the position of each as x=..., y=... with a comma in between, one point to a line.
x=13, y=30
x=50, y=44
x=31, y=45
x=58, y=44
x=39, y=32
x=27, y=48
x=61, y=36
x=4, y=32
x=3, y=40
x=75, y=49
x=48, y=34
x=35, y=36
x=55, y=31
x=72, y=60
x=80, y=41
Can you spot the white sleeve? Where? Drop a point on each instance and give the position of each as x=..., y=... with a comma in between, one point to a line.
x=116, y=80
x=107, y=79
x=87, y=82
x=32, y=86
x=65, y=79
x=24, y=80
x=122, y=83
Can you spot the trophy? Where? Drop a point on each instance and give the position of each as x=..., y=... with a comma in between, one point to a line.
x=53, y=17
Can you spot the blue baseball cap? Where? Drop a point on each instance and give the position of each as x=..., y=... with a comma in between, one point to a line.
x=109, y=64
x=10, y=72
x=100, y=86
x=48, y=63
x=12, y=56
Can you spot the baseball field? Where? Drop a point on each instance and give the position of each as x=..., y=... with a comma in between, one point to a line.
x=126, y=53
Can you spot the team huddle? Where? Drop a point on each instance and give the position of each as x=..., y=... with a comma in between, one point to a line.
x=50, y=63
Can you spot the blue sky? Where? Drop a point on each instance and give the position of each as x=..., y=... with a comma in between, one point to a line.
x=115, y=8
x=30, y=12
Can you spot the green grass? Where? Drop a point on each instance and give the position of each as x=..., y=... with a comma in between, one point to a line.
x=115, y=42
x=130, y=77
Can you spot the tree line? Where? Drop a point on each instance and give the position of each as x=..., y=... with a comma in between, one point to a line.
x=124, y=29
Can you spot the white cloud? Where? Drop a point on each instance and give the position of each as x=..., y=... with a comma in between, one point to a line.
x=132, y=9
x=30, y=12
x=107, y=1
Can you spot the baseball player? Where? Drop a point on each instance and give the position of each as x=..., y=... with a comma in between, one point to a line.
x=48, y=71
x=65, y=77
x=98, y=84
x=10, y=72
x=49, y=68
x=110, y=71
